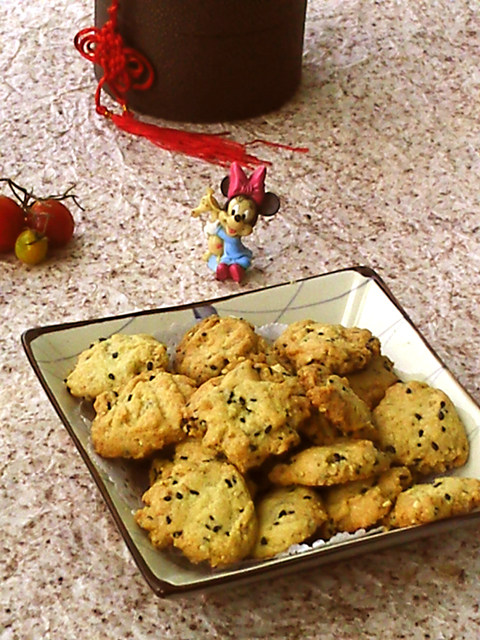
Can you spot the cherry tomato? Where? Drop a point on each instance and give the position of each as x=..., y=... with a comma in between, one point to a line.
x=52, y=219
x=31, y=247
x=12, y=221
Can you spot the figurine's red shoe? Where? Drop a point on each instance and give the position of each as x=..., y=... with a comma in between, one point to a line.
x=222, y=271
x=236, y=272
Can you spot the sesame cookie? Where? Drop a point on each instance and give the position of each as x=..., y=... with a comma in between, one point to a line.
x=441, y=498
x=187, y=452
x=214, y=343
x=286, y=516
x=420, y=427
x=339, y=349
x=371, y=383
x=362, y=503
x=205, y=510
x=110, y=363
x=318, y=429
x=335, y=399
x=249, y=414
x=343, y=461
x=143, y=417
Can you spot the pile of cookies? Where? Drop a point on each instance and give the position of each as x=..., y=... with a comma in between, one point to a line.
x=255, y=446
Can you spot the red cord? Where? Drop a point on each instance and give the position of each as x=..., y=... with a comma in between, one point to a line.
x=123, y=67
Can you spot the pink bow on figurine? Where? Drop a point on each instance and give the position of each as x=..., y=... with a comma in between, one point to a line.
x=253, y=187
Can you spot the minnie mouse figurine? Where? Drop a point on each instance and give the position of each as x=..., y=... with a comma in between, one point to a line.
x=227, y=256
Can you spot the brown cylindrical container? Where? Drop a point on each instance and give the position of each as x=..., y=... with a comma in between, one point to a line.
x=214, y=60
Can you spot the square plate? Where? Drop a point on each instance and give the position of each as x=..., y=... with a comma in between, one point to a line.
x=352, y=297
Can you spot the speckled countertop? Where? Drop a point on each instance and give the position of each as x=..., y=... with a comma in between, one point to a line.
x=390, y=109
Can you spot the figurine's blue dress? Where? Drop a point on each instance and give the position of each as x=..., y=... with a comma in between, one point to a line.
x=234, y=252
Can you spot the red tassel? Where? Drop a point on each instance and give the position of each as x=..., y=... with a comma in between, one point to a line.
x=210, y=147
x=124, y=69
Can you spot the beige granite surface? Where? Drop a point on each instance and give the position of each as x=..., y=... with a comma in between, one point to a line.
x=390, y=110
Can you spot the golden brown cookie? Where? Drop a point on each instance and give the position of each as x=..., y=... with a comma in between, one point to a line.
x=363, y=503
x=286, y=516
x=249, y=414
x=371, y=382
x=322, y=466
x=420, y=427
x=213, y=344
x=143, y=417
x=109, y=364
x=318, y=429
x=339, y=349
x=205, y=510
x=441, y=498
x=335, y=399
x=187, y=452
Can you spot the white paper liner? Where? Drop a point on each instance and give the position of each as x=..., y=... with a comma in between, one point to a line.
x=336, y=539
